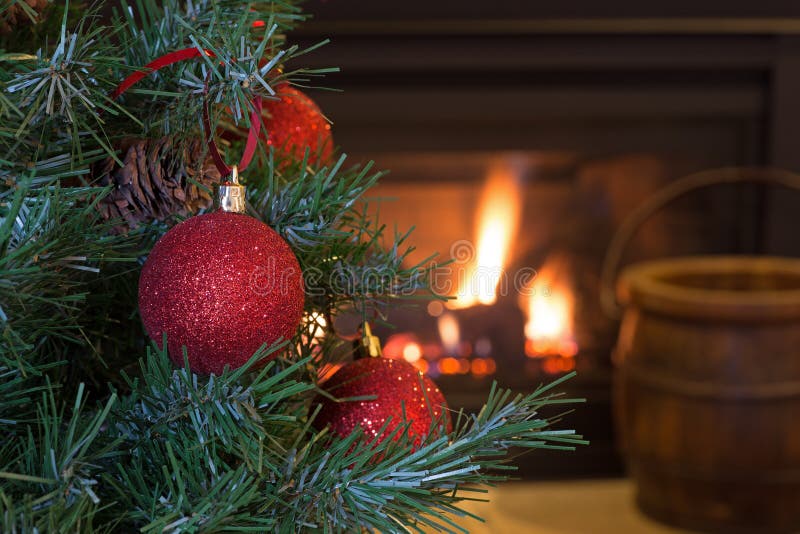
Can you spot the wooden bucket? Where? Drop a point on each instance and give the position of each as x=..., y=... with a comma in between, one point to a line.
x=707, y=387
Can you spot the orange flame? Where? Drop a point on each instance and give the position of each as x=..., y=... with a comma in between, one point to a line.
x=548, y=304
x=498, y=216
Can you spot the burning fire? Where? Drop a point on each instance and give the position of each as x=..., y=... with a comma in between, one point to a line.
x=548, y=304
x=498, y=216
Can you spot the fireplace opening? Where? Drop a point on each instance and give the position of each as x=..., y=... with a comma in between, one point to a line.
x=525, y=234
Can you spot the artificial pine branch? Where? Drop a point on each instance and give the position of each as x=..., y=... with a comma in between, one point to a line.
x=66, y=89
x=347, y=484
x=234, y=452
x=49, y=478
x=307, y=205
x=245, y=478
x=52, y=246
x=61, y=94
x=217, y=408
x=15, y=14
x=202, y=448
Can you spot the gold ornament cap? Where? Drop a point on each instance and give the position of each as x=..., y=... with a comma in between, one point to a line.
x=229, y=195
x=369, y=346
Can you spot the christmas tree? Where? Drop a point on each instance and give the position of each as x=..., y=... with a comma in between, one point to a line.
x=154, y=376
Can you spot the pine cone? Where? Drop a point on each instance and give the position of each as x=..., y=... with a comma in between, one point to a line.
x=155, y=182
x=15, y=15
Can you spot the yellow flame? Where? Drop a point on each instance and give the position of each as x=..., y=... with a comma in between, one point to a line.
x=498, y=216
x=549, y=304
x=449, y=332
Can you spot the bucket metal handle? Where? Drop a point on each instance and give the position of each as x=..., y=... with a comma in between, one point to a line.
x=662, y=197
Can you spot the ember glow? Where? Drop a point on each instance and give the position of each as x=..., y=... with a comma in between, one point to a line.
x=548, y=303
x=498, y=216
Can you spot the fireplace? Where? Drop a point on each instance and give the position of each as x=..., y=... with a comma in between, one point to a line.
x=526, y=234
x=521, y=169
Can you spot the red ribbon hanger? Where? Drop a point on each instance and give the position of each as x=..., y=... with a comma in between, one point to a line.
x=191, y=53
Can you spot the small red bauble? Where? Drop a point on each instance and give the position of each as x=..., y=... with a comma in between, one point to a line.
x=295, y=122
x=399, y=389
x=221, y=284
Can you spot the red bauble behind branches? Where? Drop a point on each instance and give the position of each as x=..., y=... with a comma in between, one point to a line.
x=221, y=284
x=400, y=389
x=295, y=122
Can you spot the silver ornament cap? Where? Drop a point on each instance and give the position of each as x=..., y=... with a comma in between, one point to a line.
x=229, y=195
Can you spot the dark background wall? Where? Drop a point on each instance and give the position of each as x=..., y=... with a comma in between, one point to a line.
x=504, y=75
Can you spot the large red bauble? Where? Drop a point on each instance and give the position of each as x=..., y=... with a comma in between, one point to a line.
x=220, y=284
x=295, y=122
x=399, y=389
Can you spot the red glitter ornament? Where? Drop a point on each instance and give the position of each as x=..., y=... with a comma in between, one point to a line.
x=221, y=284
x=399, y=389
x=295, y=122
